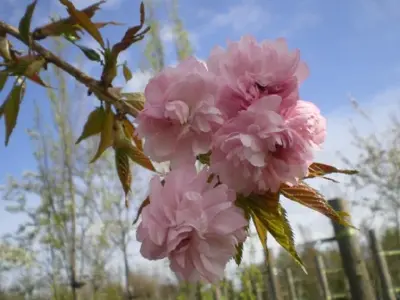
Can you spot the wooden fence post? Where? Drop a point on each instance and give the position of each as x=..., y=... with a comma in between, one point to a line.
x=352, y=260
x=290, y=283
x=382, y=267
x=323, y=280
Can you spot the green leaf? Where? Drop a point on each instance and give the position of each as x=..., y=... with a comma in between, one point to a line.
x=269, y=216
x=25, y=23
x=10, y=109
x=3, y=79
x=127, y=72
x=124, y=172
x=136, y=100
x=106, y=135
x=84, y=21
x=90, y=53
x=94, y=124
x=239, y=253
x=311, y=198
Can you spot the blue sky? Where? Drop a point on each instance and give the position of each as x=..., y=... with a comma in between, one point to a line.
x=351, y=46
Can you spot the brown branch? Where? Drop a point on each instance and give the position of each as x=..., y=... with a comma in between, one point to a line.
x=91, y=83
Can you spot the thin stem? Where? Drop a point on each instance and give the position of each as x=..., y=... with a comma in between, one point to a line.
x=91, y=83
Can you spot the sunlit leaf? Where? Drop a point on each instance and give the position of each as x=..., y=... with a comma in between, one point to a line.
x=3, y=80
x=308, y=196
x=11, y=108
x=261, y=230
x=269, y=216
x=320, y=170
x=136, y=100
x=130, y=132
x=94, y=124
x=123, y=140
x=127, y=73
x=5, y=47
x=124, y=172
x=25, y=23
x=106, y=135
x=84, y=21
x=143, y=205
x=62, y=26
x=139, y=157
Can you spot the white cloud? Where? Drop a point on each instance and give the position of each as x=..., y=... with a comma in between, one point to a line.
x=139, y=81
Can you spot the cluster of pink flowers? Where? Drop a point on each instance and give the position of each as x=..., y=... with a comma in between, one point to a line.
x=243, y=107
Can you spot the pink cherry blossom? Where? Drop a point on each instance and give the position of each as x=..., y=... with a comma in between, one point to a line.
x=179, y=115
x=260, y=149
x=253, y=70
x=192, y=222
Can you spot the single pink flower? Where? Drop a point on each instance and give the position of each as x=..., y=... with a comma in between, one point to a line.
x=179, y=115
x=260, y=149
x=305, y=118
x=253, y=70
x=192, y=222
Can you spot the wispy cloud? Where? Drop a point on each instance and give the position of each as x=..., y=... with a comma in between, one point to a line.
x=244, y=16
x=301, y=21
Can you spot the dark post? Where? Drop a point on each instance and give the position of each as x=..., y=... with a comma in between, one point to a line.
x=382, y=267
x=272, y=279
x=290, y=283
x=352, y=261
x=323, y=280
x=199, y=295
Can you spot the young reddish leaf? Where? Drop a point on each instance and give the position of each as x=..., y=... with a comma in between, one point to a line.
x=136, y=100
x=65, y=25
x=130, y=132
x=25, y=23
x=308, y=196
x=36, y=78
x=320, y=170
x=106, y=135
x=84, y=21
x=143, y=205
x=124, y=172
x=11, y=107
x=127, y=73
x=3, y=79
x=5, y=48
x=104, y=24
x=93, y=125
